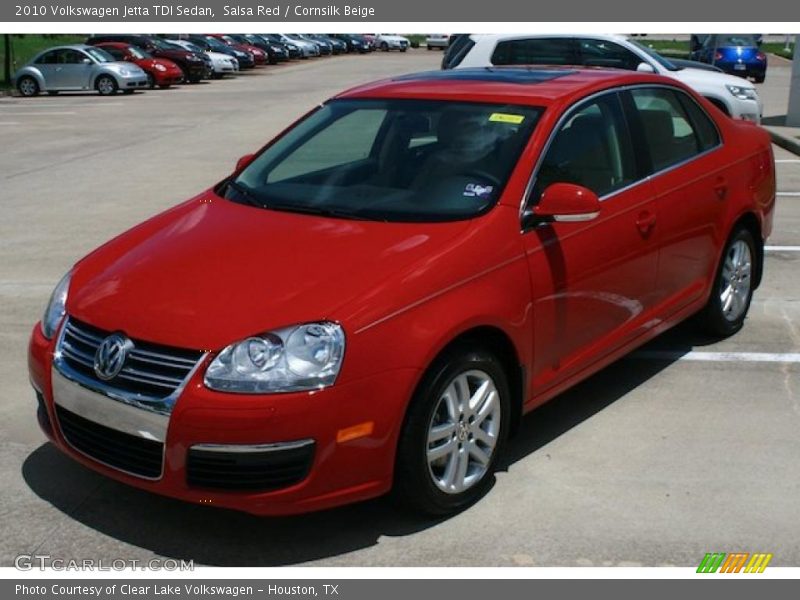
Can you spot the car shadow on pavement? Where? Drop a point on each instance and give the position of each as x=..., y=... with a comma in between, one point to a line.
x=219, y=537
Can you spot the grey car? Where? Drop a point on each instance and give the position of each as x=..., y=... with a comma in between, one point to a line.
x=78, y=68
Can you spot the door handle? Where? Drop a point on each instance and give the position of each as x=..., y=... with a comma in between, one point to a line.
x=721, y=188
x=646, y=221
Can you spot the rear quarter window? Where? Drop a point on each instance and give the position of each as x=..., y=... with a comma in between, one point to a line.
x=539, y=51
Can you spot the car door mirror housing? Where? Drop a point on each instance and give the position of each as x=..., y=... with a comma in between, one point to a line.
x=86, y=61
x=564, y=203
x=645, y=68
x=244, y=161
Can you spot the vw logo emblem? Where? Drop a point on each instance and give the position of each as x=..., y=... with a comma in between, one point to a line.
x=110, y=356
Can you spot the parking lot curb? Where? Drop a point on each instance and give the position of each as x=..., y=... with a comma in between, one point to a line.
x=786, y=142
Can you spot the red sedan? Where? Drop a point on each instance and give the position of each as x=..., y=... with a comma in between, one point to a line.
x=161, y=72
x=374, y=299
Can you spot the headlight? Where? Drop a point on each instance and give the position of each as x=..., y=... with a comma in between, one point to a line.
x=293, y=359
x=56, y=307
x=160, y=67
x=743, y=93
x=124, y=72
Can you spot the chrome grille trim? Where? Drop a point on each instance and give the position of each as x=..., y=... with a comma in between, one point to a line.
x=74, y=359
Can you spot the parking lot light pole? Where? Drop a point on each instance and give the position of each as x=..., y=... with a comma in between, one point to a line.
x=793, y=114
x=7, y=59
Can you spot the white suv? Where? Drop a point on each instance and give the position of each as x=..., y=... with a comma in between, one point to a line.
x=735, y=96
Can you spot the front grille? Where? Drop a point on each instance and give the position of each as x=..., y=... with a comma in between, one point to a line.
x=261, y=470
x=151, y=371
x=130, y=453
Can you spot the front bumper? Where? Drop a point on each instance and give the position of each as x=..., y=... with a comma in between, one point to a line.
x=341, y=467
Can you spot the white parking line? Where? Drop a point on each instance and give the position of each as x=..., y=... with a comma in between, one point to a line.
x=9, y=122
x=36, y=114
x=766, y=357
x=782, y=248
x=781, y=161
x=788, y=193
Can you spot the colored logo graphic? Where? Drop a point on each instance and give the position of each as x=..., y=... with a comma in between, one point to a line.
x=737, y=562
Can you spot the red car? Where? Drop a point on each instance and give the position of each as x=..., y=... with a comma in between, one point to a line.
x=374, y=299
x=161, y=72
x=259, y=55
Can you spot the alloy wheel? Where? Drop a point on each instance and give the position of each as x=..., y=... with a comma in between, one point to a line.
x=736, y=280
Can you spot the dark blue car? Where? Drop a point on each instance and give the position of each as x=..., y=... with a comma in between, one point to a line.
x=734, y=53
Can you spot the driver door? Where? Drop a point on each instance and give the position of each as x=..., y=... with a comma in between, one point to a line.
x=71, y=72
x=593, y=282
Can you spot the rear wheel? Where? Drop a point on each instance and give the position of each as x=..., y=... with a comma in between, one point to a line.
x=760, y=78
x=732, y=291
x=106, y=85
x=454, y=431
x=384, y=46
x=27, y=86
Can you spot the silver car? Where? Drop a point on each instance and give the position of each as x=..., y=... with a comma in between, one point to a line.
x=78, y=68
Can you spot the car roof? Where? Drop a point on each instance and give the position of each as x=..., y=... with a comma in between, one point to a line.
x=69, y=47
x=535, y=86
x=612, y=37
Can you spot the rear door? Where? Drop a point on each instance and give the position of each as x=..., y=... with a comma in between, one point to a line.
x=691, y=186
x=593, y=281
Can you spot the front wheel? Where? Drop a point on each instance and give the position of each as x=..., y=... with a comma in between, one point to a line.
x=106, y=85
x=732, y=290
x=453, y=433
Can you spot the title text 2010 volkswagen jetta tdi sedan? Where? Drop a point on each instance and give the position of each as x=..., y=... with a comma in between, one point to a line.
x=373, y=300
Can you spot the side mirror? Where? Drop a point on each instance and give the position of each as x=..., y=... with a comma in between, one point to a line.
x=644, y=67
x=86, y=61
x=244, y=161
x=564, y=203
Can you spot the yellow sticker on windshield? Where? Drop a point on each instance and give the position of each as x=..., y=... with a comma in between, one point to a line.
x=506, y=118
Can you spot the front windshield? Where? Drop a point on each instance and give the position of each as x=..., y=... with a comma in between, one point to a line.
x=99, y=55
x=191, y=47
x=390, y=160
x=656, y=56
x=137, y=52
x=215, y=43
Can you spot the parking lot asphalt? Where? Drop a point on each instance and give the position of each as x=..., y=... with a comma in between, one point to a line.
x=687, y=448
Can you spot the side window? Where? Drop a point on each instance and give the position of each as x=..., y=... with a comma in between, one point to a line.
x=703, y=125
x=50, y=58
x=536, y=51
x=592, y=148
x=115, y=52
x=70, y=57
x=339, y=144
x=669, y=134
x=602, y=53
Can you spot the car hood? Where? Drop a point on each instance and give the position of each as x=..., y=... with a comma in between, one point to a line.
x=209, y=272
x=698, y=78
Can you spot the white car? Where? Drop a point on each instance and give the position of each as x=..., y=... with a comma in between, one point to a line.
x=222, y=64
x=733, y=95
x=437, y=40
x=389, y=41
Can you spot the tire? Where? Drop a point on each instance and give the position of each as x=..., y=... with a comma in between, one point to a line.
x=727, y=307
x=403, y=49
x=450, y=482
x=430, y=47
x=106, y=85
x=151, y=81
x=760, y=78
x=384, y=47
x=28, y=87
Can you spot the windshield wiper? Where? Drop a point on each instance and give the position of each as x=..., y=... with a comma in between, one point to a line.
x=318, y=210
x=244, y=193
